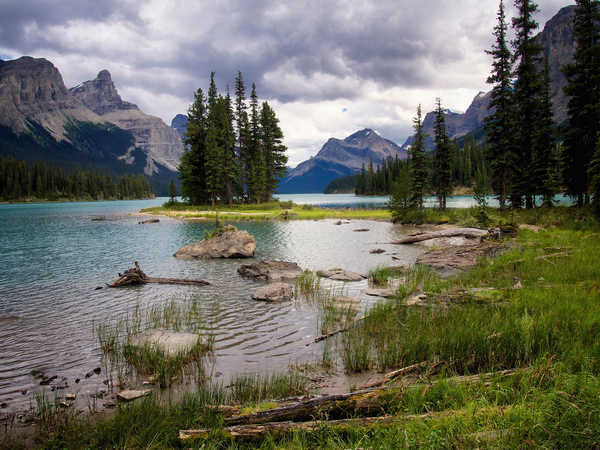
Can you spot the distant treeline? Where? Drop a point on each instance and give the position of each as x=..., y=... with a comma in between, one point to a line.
x=22, y=181
x=467, y=163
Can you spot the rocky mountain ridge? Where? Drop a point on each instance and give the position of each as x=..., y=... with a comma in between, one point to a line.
x=337, y=158
x=160, y=142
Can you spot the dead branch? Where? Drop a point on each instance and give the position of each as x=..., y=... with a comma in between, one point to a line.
x=135, y=276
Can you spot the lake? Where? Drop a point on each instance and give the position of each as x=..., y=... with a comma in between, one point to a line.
x=53, y=256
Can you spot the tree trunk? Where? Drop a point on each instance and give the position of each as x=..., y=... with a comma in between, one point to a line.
x=135, y=276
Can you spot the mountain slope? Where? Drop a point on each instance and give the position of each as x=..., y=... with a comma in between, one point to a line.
x=41, y=120
x=338, y=158
x=161, y=143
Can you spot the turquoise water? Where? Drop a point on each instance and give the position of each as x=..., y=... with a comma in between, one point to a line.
x=53, y=256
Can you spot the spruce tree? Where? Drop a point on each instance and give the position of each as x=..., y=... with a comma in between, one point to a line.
x=418, y=170
x=544, y=163
x=172, y=192
x=271, y=138
x=526, y=96
x=594, y=176
x=498, y=124
x=229, y=170
x=443, y=158
x=212, y=160
x=256, y=161
x=242, y=130
x=583, y=88
x=192, y=172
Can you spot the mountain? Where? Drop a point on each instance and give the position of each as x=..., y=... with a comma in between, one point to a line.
x=180, y=122
x=88, y=126
x=558, y=45
x=339, y=158
x=161, y=143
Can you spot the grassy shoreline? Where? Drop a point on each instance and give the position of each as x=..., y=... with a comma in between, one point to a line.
x=264, y=211
x=542, y=325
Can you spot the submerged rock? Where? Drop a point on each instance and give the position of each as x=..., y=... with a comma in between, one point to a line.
x=380, y=292
x=271, y=271
x=129, y=395
x=341, y=275
x=231, y=243
x=171, y=342
x=275, y=292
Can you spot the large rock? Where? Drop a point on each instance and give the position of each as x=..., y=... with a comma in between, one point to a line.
x=341, y=275
x=276, y=292
x=170, y=342
x=271, y=271
x=230, y=244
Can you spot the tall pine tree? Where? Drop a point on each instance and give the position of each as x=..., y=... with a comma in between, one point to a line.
x=271, y=138
x=526, y=96
x=256, y=160
x=498, y=124
x=583, y=88
x=418, y=170
x=543, y=158
x=192, y=171
x=442, y=158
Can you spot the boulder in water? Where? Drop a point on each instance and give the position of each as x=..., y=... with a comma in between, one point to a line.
x=275, y=292
x=228, y=243
x=271, y=271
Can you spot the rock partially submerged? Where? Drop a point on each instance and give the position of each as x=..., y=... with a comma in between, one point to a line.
x=341, y=275
x=130, y=394
x=171, y=342
x=380, y=292
x=271, y=271
x=275, y=292
x=231, y=243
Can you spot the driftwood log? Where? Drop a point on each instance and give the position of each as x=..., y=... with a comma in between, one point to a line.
x=471, y=233
x=136, y=276
x=143, y=222
x=256, y=431
x=301, y=416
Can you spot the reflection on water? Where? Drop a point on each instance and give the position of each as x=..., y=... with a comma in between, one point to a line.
x=53, y=256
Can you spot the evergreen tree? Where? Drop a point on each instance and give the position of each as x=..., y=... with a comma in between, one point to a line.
x=271, y=138
x=172, y=192
x=583, y=88
x=212, y=163
x=594, y=176
x=192, y=171
x=242, y=130
x=526, y=96
x=418, y=171
x=256, y=162
x=498, y=124
x=443, y=158
x=400, y=200
x=544, y=163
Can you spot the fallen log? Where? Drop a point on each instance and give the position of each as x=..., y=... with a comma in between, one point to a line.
x=143, y=222
x=367, y=402
x=135, y=276
x=254, y=431
x=471, y=233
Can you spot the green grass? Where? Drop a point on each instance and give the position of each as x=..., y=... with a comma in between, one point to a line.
x=266, y=211
x=124, y=360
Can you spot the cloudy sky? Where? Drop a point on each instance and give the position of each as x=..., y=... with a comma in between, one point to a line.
x=328, y=67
